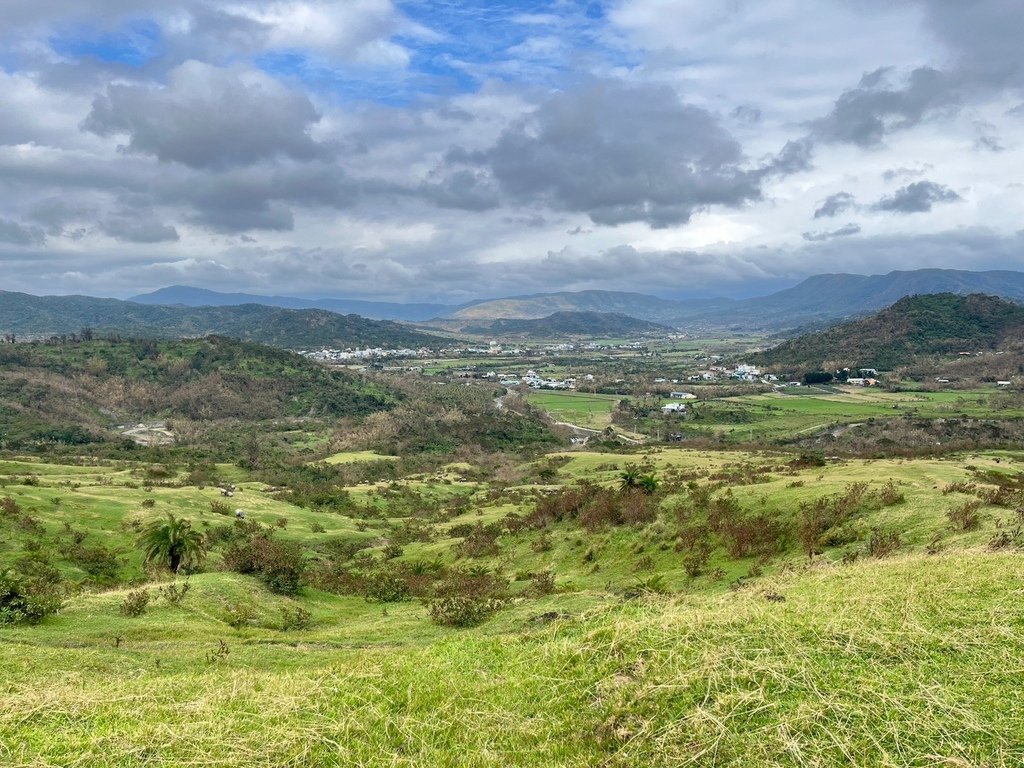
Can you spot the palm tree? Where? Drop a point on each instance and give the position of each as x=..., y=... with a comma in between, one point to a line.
x=648, y=484
x=173, y=543
x=630, y=477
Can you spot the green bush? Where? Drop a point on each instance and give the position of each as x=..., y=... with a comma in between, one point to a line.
x=279, y=564
x=135, y=603
x=27, y=601
x=467, y=598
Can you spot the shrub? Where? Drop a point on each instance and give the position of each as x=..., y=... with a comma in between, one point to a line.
x=467, y=598
x=27, y=601
x=965, y=517
x=173, y=593
x=316, y=527
x=295, y=618
x=220, y=508
x=278, y=564
x=542, y=543
x=482, y=541
x=9, y=507
x=882, y=544
x=135, y=603
x=385, y=585
x=541, y=583
x=238, y=615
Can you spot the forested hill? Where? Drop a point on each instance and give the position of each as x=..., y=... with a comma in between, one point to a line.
x=943, y=324
x=77, y=392
x=40, y=316
x=561, y=324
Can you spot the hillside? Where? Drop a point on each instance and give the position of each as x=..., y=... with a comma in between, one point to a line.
x=539, y=306
x=818, y=299
x=616, y=627
x=42, y=316
x=189, y=296
x=935, y=324
x=562, y=324
x=78, y=392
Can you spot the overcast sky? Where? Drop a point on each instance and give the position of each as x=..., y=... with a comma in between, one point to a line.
x=455, y=149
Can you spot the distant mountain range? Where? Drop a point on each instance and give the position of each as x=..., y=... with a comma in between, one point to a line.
x=936, y=324
x=817, y=300
x=566, y=324
x=26, y=315
x=188, y=296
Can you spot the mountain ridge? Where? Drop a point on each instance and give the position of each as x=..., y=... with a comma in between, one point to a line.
x=39, y=316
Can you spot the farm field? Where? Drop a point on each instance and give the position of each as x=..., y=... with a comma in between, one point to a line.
x=794, y=411
x=585, y=410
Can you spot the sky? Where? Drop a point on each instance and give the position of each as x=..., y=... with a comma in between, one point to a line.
x=437, y=150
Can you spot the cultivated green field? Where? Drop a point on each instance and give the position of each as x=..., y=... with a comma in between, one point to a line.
x=579, y=408
x=794, y=411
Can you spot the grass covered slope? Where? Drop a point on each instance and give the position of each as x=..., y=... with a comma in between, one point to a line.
x=937, y=324
x=26, y=315
x=911, y=661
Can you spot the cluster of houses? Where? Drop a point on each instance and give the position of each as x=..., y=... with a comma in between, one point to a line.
x=370, y=353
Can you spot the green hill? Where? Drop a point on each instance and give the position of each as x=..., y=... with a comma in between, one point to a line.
x=935, y=324
x=561, y=324
x=684, y=627
x=41, y=316
x=69, y=393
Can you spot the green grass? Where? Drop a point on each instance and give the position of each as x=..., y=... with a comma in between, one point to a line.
x=579, y=408
x=911, y=662
x=792, y=412
x=355, y=457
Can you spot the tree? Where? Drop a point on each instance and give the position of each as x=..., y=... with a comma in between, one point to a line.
x=648, y=484
x=629, y=479
x=173, y=543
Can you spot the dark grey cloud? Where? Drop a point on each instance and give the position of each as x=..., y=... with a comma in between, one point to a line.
x=835, y=204
x=985, y=37
x=865, y=115
x=15, y=233
x=209, y=117
x=620, y=153
x=795, y=157
x=821, y=237
x=139, y=230
x=746, y=113
x=918, y=197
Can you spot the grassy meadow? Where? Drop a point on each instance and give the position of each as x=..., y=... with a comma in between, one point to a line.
x=911, y=656
x=579, y=408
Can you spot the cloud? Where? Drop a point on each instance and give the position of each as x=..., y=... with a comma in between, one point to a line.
x=821, y=237
x=918, y=197
x=835, y=204
x=865, y=115
x=139, y=230
x=620, y=153
x=209, y=117
x=15, y=233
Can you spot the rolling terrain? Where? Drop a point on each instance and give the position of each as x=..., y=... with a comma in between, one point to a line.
x=817, y=299
x=695, y=632
x=559, y=325
x=43, y=316
x=184, y=295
